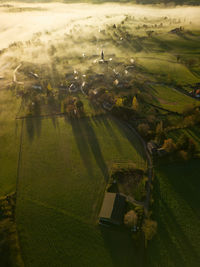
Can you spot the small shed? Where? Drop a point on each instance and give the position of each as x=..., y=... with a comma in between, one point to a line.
x=113, y=209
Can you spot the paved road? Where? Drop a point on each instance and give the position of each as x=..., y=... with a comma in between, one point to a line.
x=14, y=74
x=150, y=173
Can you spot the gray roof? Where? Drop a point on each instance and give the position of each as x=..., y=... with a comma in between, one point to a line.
x=107, y=207
x=113, y=207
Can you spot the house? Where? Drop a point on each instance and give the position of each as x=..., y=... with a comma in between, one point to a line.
x=73, y=88
x=113, y=209
x=34, y=75
x=37, y=87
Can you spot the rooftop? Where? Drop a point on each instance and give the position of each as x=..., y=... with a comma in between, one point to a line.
x=113, y=208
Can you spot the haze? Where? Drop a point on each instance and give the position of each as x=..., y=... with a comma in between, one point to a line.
x=20, y=26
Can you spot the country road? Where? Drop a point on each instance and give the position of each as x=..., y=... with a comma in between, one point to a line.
x=14, y=74
x=150, y=170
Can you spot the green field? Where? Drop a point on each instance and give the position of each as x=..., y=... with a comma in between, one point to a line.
x=171, y=99
x=9, y=141
x=167, y=70
x=60, y=166
x=63, y=175
x=176, y=210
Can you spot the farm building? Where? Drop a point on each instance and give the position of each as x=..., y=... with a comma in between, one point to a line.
x=113, y=209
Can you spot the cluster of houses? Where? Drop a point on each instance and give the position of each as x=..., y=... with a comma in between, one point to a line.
x=79, y=82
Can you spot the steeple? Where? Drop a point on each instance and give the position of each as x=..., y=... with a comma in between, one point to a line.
x=102, y=55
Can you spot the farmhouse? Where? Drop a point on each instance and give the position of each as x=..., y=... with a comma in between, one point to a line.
x=113, y=209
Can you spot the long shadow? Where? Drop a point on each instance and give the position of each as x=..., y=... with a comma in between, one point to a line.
x=30, y=128
x=38, y=125
x=133, y=140
x=161, y=251
x=105, y=121
x=93, y=142
x=82, y=144
x=34, y=124
x=170, y=240
x=187, y=182
x=182, y=240
x=123, y=250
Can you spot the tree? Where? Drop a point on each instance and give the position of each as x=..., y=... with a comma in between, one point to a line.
x=192, y=147
x=135, y=103
x=49, y=87
x=143, y=129
x=182, y=143
x=169, y=145
x=119, y=102
x=149, y=228
x=79, y=107
x=130, y=218
x=70, y=110
x=160, y=134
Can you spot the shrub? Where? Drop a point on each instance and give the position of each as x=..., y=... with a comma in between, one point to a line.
x=130, y=218
x=149, y=228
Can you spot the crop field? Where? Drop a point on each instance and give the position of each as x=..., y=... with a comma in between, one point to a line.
x=176, y=210
x=63, y=174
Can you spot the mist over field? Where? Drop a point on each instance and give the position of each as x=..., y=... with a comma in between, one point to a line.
x=21, y=20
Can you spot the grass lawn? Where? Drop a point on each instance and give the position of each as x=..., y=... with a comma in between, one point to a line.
x=171, y=99
x=168, y=70
x=176, y=210
x=9, y=141
x=63, y=175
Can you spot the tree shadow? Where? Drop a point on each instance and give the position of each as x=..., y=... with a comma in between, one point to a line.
x=170, y=246
x=87, y=142
x=93, y=142
x=123, y=250
x=133, y=140
x=105, y=121
x=38, y=125
x=82, y=144
x=30, y=128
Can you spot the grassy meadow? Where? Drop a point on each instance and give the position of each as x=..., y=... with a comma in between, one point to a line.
x=171, y=99
x=9, y=141
x=63, y=174
x=64, y=164
x=176, y=209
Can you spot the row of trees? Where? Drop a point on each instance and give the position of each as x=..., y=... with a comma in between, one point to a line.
x=149, y=227
x=73, y=107
x=185, y=147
